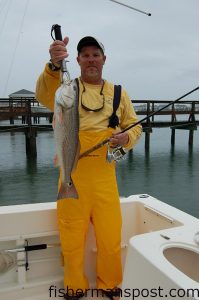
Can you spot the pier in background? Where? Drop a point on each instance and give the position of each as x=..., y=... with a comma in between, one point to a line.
x=30, y=114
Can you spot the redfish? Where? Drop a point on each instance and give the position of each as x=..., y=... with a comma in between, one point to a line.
x=66, y=133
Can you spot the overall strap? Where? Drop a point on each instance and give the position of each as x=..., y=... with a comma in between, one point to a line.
x=113, y=119
x=78, y=92
x=77, y=83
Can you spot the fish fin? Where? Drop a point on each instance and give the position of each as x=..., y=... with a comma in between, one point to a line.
x=60, y=116
x=76, y=157
x=56, y=161
x=62, y=259
x=54, y=122
x=66, y=191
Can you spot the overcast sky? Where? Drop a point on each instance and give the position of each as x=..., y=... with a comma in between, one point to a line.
x=153, y=57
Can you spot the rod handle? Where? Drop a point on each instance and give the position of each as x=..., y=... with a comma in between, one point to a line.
x=57, y=31
x=58, y=36
x=35, y=247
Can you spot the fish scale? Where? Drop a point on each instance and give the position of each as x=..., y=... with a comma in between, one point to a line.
x=66, y=132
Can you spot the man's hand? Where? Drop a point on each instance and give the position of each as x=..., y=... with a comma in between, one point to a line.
x=119, y=139
x=58, y=51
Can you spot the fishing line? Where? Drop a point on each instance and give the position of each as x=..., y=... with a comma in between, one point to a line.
x=5, y=16
x=16, y=46
x=135, y=124
x=131, y=7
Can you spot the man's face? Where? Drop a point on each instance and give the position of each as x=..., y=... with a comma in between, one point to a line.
x=91, y=61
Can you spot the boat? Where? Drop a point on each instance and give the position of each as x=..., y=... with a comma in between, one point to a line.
x=160, y=251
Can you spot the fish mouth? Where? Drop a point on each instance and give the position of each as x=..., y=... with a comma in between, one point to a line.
x=65, y=101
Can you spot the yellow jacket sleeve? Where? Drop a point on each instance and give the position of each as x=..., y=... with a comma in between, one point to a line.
x=129, y=117
x=47, y=84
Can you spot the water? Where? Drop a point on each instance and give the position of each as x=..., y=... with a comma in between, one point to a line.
x=171, y=175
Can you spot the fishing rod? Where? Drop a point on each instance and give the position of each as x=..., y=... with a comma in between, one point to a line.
x=58, y=36
x=119, y=151
x=7, y=261
x=131, y=7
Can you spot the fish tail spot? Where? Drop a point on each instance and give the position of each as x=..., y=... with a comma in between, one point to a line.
x=67, y=190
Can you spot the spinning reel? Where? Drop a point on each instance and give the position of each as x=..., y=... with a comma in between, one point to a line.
x=116, y=154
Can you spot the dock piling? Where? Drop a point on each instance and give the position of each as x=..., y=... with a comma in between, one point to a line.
x=31, y=146
x=173, y=137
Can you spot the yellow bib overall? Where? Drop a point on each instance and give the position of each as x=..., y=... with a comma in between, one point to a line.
x=98, y=202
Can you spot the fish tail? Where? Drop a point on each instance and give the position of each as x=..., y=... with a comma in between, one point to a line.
x=67, y=191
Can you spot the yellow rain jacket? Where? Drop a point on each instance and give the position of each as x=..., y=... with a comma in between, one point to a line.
x=96, y=184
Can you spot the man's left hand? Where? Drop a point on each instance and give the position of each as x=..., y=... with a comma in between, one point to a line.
x=119, y=139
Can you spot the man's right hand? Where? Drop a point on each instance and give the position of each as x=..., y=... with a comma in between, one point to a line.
x=58, y=51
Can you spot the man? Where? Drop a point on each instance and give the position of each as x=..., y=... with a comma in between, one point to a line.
x=94, y=177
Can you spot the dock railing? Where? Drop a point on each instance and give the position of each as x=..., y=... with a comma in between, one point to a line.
x=30, y=113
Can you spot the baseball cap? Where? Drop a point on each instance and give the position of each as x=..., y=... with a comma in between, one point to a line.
x=89, y=41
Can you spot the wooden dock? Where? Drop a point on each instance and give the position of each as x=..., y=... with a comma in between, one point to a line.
x=30, y=113
x=187, y=108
